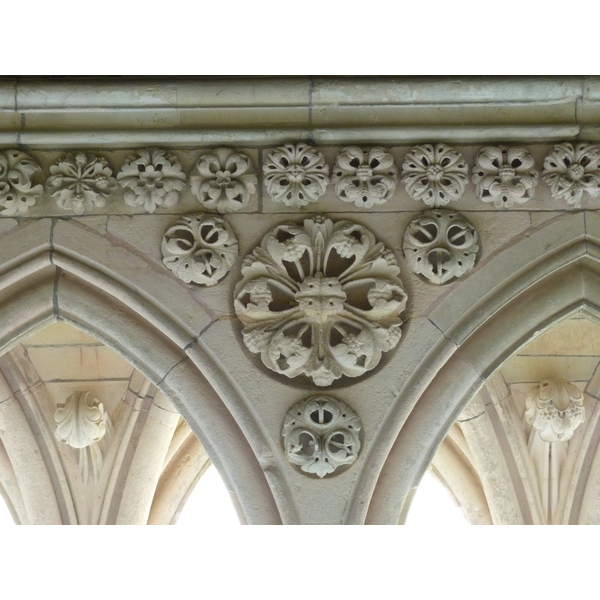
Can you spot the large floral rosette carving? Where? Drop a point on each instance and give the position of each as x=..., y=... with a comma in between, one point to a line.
x=321, y=434
x=365, y=178
x=17, y=192
x=225, y=180
x=555, y=409
x=572, y=170
x=200, y=249
x=321, y=299
x=504, y=176
x=435, y=174
x=81, y=181
x=152, y=179
x=296, y=175
x=440, y=245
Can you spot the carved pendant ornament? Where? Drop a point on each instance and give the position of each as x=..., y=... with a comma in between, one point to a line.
x=81, y=182
x=200, y=249
x=504, y=176
x=435, y=174
x=321, y=434
x=296, y=175
x=555, y=409
x=572, y=170
x=440, y=245
x=152, y=179
x=17, y=192
x=321, y=299
x=365, y=178
x=225, y=180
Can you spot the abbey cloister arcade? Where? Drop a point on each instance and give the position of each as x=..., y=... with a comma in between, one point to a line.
x=323, y=286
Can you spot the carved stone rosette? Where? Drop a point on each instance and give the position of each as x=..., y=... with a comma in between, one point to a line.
x=572, y=170
x=296, y=175
x=555, y=409
x=440, y=245
x=17, y=192
x=321, y=299
x=321, y=434
x=225, y=180
x=81, y=181
x=504, y=176
x=152, y=179
x=435, y=174
x=365, y=178
x=200, y=249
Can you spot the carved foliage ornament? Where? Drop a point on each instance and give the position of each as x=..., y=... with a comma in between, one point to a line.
x=17, y=192
x=320, y=299
x=555, y=409
x=572, y=170
x=200, y=249
x=435, y=174
x=365, y=178
x=440, y=245
x=152, y=179
x=321, y=434
x=296, y=175
x=225, y=180
x=81, y=181
x=80, y=420
x=504, y=176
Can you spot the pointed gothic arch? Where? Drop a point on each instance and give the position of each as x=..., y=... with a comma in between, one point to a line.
x=520, y=291
x=64, y=270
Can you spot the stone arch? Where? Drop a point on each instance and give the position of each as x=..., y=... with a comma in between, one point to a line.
x=541, y=278
x=64, y=270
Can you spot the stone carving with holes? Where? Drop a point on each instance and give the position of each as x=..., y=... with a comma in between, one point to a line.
x=200, y=249
x=296, y=175
x=17, y=192
x=440, y=245
x=321, y=434
x=365, y=178
x=555, y=409
x=151, y=179
x=435, y=174
x=320, y=299
x=572, y=170
x=82, y=422
x=504, y=176
x=81, y=182
x=225, y=180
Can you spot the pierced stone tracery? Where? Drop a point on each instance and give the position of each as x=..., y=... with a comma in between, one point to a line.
x=320, y=299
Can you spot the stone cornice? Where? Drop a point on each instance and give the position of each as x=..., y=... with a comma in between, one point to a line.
x=128, y=112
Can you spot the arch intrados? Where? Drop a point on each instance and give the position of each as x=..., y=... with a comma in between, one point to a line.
x=45, y=284
x=570, y=284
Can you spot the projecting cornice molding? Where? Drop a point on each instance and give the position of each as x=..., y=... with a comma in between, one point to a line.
x=127, y=112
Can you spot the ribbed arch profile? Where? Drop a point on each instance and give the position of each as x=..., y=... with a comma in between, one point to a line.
x=64, y=270
x=540, y=279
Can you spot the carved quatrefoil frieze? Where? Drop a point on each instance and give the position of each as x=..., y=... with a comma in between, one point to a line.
x=321, y=434
x=440, y=245
x=321, y=299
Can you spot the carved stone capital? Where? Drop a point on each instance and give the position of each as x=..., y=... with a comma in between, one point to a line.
x=80, y=420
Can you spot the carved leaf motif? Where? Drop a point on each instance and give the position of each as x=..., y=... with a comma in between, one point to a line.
x=440, y=245
x=17, y=192
x=81, y=182
x=152, y=179
x=321, y=299
x=555, y=409
x=296, y=175
x=435, y=174
x=225, y=180
x=80, y=420
x=200, y=249
x=365, y=178
x=321, y=434
x=504, y=176
x=572, y=170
